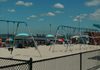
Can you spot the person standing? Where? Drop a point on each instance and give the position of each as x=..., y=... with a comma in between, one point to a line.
x=0, y=42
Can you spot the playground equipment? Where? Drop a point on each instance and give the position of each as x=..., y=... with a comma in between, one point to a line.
x=15, y=31
x=67, y=32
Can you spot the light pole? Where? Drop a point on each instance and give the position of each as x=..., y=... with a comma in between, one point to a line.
x=50, y=28
x=79, y=26
x=8, y=29
x=78, y=19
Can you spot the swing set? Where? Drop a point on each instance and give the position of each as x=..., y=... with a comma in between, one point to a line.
x=68, y=35
x=15, y=33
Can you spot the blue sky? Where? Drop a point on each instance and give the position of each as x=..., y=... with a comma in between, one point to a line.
x=40, y=13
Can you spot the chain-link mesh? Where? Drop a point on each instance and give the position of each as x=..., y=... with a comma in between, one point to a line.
x=81, y=61
x=62, y=63
x=91, y=61
x=16, y=67
x=14, y=64
x=4, y=62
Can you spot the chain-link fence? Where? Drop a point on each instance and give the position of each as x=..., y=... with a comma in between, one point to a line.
x=89, y=60
x=15, y=64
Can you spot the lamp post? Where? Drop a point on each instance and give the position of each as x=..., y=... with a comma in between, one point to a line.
x=78, y=19
x=79, y=26
x=7, y=29
x=50, y=28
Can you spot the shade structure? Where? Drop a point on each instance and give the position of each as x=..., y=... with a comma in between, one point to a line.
x=49, y=35
x=22, y=34
x=75, y=36
x=86, y=36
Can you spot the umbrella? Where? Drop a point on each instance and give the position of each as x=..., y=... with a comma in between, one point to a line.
x=22, y=34
x=49, y=35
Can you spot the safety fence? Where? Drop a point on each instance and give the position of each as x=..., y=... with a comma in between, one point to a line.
x=15, y=64
x=89, y=60
x=80, y=61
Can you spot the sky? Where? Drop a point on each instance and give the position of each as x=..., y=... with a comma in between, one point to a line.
x=39, y=14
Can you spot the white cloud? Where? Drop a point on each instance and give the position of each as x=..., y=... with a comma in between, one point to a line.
x=95, y=15
x=80, y=17
x=77, y=18
x=3, y=0
x=93, y=3
x=11, y=10
x=50, y=14
x=31, y=17
x=92, y=16
x=58, y=12
x=22, y=3
x=59, y=5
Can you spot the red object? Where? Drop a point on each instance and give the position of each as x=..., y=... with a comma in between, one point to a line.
x=94, y=38
x=61, y=40
x=0, y=39
x=0, y=43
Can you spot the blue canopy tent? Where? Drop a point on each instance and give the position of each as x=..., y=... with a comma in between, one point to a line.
x=21, y=38
x=50, y=39
x=23, y=34
x=49, y=35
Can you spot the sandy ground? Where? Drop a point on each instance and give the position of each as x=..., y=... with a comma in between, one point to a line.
x=44, y=51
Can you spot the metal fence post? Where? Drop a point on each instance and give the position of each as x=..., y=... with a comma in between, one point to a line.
x=30, y=64
x=80, y=61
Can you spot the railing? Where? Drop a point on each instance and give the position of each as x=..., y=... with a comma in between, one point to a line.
x=89, y=60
